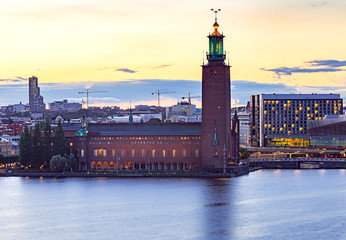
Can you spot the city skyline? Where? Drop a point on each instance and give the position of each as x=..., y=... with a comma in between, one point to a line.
x=292, y=46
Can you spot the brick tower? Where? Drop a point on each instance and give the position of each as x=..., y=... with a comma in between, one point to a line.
x=216, y=104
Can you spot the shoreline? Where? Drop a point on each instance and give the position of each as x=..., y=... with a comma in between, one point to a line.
x=117, y=175
x=231, y=172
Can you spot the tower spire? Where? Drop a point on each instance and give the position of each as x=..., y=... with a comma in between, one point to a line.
x=216, y=52
x=215, y=11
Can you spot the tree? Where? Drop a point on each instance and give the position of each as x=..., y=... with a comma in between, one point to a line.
x=71, y=162
x=36, y=153
x=58, y=163
x=47, y=144
x=244, y=154
x=154, y=120
x=2, y=159
x=25, y=147
x=59, y=146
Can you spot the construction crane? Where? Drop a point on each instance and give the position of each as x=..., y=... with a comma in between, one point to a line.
x=87, y=94
x=158, y=95
x=189, y=97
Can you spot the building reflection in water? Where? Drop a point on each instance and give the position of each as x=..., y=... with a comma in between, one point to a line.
x=218, y=210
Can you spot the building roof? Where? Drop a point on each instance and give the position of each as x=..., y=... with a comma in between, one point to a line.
x=300, y=96
x=330, y=125
x=145, y=129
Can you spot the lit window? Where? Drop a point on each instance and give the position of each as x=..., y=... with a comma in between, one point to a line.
x=184, y=153
x=163, y=153
x=113, y=153
x=104, y=152
x=133, y=153
x=174, y=153
x=293, y=125
x=153, y=153
x=82, y=153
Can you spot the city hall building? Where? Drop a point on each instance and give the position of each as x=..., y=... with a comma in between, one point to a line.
x=212, y=144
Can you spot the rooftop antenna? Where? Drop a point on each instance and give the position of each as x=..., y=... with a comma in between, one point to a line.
x=215, y=11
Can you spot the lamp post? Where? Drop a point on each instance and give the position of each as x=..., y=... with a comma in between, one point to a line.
x=224, y=158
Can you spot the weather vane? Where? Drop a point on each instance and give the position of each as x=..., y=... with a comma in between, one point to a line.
x=215, y=11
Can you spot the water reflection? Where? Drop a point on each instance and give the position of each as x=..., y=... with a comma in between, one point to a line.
x=267, y=204
x=217, y=222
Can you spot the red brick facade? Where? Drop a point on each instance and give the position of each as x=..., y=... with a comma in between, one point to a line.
x=138, y=152
x=215, y=114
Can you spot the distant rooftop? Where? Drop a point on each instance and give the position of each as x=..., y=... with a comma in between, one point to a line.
x=312, y=96
x=147, y=129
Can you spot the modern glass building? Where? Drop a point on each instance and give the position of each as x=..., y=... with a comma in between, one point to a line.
x=281, y=119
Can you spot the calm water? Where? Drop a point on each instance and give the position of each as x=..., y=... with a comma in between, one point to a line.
x=286, y=204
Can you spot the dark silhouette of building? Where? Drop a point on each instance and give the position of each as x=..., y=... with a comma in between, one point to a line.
x=36, y=103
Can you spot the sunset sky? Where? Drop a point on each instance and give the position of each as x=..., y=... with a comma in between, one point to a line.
x=132, y=48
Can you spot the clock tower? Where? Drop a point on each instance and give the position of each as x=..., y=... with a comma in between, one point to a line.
x=216, y=104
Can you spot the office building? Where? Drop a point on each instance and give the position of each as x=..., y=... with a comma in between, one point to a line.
x=281, y=119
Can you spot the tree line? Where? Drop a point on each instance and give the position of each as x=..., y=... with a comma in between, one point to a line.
x=37, y=151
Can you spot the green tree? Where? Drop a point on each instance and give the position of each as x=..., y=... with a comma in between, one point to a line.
x=58, y=163
x=59, y=146
x=243, y=153
x=25, y=147
x=47, y=144
x=154, y=120
x=36, y=152
x=72, y=162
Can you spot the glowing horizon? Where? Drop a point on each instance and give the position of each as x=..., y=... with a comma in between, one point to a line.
x=296, y=43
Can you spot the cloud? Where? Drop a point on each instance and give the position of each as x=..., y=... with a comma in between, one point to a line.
x=13, y=80
x=139, y=91
x=318, y=4
x=327, y=63
x=314, y=66
x=162, y=66
x=289, y=71
x=125, y=70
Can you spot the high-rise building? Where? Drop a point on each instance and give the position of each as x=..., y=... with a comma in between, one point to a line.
x=36, y=103
x=281, y=119
x=216, y=104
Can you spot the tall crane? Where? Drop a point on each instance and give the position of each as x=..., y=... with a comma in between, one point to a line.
x=87, y=94
x=158, y=95
x=189, y=97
